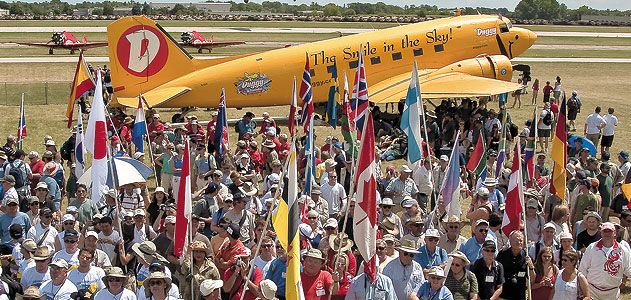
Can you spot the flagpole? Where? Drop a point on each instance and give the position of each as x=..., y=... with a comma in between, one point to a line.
x=190, y=223
x=520, y=189
x=153, y=161
x=429, y=156
x=110, y=162
x=267, y=219
x=21, y=131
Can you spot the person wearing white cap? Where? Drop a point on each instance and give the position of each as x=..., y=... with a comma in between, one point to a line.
x=430, y=255
x=86, y=277
x=547, y=240
x=434, y=288
x=401, y=186
x=267, y=290
x=142, y=231
x=43, y=232
x=605, y=263
x=58, y=288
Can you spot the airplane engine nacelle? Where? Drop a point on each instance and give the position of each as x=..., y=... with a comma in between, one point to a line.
x=495, y=67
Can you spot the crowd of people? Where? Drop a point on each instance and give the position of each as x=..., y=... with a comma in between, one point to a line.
x=56, y=243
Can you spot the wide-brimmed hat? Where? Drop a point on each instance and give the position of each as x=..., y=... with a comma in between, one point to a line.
x=592, y=214
x=113, y=272
x=154, y=276
x=41, y=253
x=335, y=240
x=414, y=220
x=315, y=253
x=389, y=226
x=200, y=246
x=437, y=271
x=408, y=202
x=249, y=189
x=147, y=250
x=268, y=289
x=29, y=245
x=490, y=182
x=431, y=114
x=59, y=262
x=459, y=254
x=431, y=232
x=209, y=285
x=408, y=245
x=269, y=144
x=386, y=202
x=405, y=169
x=32, y=292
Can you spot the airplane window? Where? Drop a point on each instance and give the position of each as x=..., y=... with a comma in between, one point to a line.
x=510, y=25
x=503, y=28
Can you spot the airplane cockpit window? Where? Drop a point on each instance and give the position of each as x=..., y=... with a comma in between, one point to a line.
x=510, y=24
x=503, y=28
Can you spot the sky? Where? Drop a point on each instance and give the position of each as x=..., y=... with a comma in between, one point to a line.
x=510, y=4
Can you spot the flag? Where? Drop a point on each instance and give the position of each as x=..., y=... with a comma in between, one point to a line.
x=310, y=157
x=346, y=106
x=501, y=155
x=183, y=214
x=330, y=115
x=626, y=189
x=220, y=125
x=79, y=147
x=96, y=142
x=529, y=151
x=477, y=160
x=292, y=110
x=450, y=189
x=359, y=98
x=285, y=220
x=139, y=131
x=365, y=213
x=514, y=196
x=348, y=131
x=410, y=119
x=306, y=94
x=81, y=84
x=481, y=179
x=21, y=124
x=559, y=156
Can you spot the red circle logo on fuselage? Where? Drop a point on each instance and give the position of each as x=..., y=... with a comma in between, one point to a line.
x=142, y=50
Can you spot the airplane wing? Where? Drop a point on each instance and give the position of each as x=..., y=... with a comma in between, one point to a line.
x=213, y=44
x=57, y=46
x=156, y=96
x=90, y=45
x=444, y=85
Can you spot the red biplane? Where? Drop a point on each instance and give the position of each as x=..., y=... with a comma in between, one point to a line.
x=197, y=40
x=66, y=40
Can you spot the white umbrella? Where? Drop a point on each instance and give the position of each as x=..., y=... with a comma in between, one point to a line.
x=127, y=170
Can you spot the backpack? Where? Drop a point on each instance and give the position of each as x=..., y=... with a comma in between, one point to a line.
x=18, y=174
x=547, y=119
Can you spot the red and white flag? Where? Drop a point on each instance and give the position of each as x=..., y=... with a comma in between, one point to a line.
x=96, y=142
x=306, y=93
x=365, y=214
x=292, y=110
x=183, y=215
x=514, y=197
x=22, y=123
x=359, y=97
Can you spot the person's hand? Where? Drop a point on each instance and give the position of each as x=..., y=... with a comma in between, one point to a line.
x=529, y=262
x=336, y=276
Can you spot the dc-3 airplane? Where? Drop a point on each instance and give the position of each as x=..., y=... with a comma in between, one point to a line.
x=66, y=40
x=195, y=39
x=464, y=56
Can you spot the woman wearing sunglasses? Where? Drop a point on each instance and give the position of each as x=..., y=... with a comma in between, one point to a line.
x=570, y=284
x=115, y=281
x=157, y=287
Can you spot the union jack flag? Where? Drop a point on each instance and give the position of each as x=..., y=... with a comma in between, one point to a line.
x=307, y=95
x=359, y=98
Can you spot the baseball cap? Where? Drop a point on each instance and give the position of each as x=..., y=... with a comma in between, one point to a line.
x=608, y=226
x=139, y=212
x=549, y=225
x=481, y=222
x=59, y=262
x=8, y=178
x=331, y=222
x=489, y=244
x=92, y=233
x=432, y=233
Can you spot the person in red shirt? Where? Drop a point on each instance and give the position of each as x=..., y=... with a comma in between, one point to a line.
x=267, y=124
x=256, y=156
x=334, y=246
x=230, y=250
x=283, y=147
x=155, y=126
x=342, y=275
x=236, y=276
x=547, y=90
x=317, y=284
x=554, y=107
x=37, y=168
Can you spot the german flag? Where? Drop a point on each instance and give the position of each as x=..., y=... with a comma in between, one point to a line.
x=626, y=188
x=559, y=156
x=286, y=219
x=82, y=83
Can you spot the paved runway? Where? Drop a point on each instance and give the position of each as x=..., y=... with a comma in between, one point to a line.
x=285, y=30
x=104, y=59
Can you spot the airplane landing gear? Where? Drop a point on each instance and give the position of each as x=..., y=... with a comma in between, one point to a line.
x=50, y=51
x=72, y=51
x=199, y=50
x=181, y=117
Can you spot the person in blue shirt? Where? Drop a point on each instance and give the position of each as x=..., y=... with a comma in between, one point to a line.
x=434, y=288
x=245, y=125
x=10, y=217
x=473, y=247
x=276, y=271
x=429, y=254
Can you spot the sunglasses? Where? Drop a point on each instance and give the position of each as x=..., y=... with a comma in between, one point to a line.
x=68, y=223
x=418, y=225
x=70, y=241
x=381, y=248
x=155, y=282
x=386, y=207
x=456, y=265
x=409, y=254
x=454, y=227
x=432, y=239
x=329, y=228
x=312, y=218
x=483, y=231
x=115, y=279
x=279, y=247
x=390, y=242
x=35, y=204
x=266, y=246
x=47, y=216
x=86, y=257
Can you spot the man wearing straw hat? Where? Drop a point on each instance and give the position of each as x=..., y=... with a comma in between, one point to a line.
x=34, y=276
x=115, y=281
x=211, y=289
x=434, y=288
x=406, y=274
x=317, y=284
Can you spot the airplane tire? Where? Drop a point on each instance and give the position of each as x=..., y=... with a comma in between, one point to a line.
x=199, y=50
x=177, y=118
x=50, y=51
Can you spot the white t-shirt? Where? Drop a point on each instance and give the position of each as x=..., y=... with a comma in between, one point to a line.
x=32, y=277
x=107, y=247
x=593, y=121
x=262, y=265
x=71, y=258
x=334, y=195
x=57, y=292
x=36, y=232
x=90, y=279
x=612, y=122
x=542, y=125
x=141, y=235
x=105, y=294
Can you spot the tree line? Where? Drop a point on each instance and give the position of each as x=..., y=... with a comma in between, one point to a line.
x=525, y=10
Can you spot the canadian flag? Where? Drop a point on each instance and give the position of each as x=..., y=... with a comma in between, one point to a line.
x=96, y=142
x=184, y=210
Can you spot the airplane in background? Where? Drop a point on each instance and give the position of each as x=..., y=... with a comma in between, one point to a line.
x=66, y=40
x=195, y=39
x=461, y=56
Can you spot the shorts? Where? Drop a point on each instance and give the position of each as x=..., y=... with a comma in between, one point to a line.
x=110, y=89
x=546, y=97
x=607, y=141
x=571, y=115
x=543, y=132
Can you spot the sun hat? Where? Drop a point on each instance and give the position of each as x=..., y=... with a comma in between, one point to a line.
x=408, y=202
x=532, y=203
x=331, y=222
x=8, y=178
x=68, y=217
x=389, y=237
x=490, y=182
x=41, y=185
x=209, y=285
x=113, y=272
x=59, y=262
x=592, y=214
x=408, y=245
x=436, y=271
x=335, y=240
x=32, y=292
x=481, y=222
x=608, y=226
x=200, y=246
x=268, y=289
x=431, y=232
x=565, y=236
x=405, y=169
x=154, y=276
x=462, y=256
x=386, y=202
x=389, y=226
x=330, y=163
x=549, y=225
x=148, y=252
x=41, y=253
x=92, y=234
x=415, y=220
x=483, y=192
x=315, y=253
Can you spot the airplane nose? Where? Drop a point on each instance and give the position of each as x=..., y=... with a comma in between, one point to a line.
x=523, y=40
x=532, y=37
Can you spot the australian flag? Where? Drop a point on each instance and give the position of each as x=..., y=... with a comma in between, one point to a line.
x=307, y=95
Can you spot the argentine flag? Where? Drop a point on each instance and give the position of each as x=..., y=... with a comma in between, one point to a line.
x=410, y=120
x=140, y=128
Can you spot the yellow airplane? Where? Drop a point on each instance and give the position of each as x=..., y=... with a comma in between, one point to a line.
x=463, y=56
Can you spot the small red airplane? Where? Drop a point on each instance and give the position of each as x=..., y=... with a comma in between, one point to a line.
x=66, y=40
x=197, y=40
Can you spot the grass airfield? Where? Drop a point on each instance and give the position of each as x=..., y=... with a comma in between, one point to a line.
x=604, y=84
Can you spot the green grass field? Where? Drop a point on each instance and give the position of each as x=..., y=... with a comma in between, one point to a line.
x=577, y=53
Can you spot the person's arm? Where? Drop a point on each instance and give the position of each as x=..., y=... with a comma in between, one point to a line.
x=498, y=292
x=156, y=223
x=124, y=257
x=582, y=282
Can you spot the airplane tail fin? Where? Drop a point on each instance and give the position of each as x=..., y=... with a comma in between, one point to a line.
x=144, y=56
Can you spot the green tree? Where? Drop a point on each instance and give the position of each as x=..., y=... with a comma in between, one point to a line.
x=331, y=10
x=108, y=9
x=146, y=9
x=538, y=9
x=136, y=9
